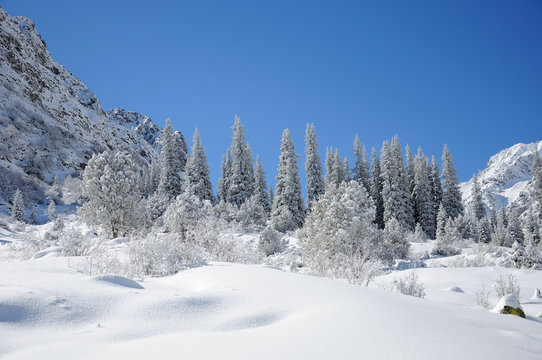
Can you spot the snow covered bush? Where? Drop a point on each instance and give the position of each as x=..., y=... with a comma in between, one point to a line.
x=271, y=242
x=161, y=255
x=340, y=232
x=482, y=297
x=444, y=245
x=395, y=245
x=507, y=286
x=111, y=193
x=409, y=285
x=73, y=243
x=71, y=190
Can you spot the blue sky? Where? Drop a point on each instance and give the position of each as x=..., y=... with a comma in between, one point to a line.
x=465, y=73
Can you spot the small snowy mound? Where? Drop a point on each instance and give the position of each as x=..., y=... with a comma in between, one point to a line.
x=539, y=315
x=509, y=304
x=118, y=280
x=537, y=296
x=455, y=289
x=51, y=251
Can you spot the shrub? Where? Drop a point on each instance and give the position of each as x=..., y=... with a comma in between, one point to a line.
x=409, y=285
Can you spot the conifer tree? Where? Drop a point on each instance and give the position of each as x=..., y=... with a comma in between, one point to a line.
x=18, y=207
x=313, y=167
x=171, y=164
x=477, y=204
x=334, y=169
x=271, y=195
x=242, y=171
x=288, y=210
x=451, y=196
x=51, y=211
x=197, y=171
x=441, y=221
x=33, y=216
x=537, y=183
x=436, y=185
x=410, y=168
x=346, y=170
x=422, y=196
x=361, y=167
x=225, y=175
x=376, y=190
x=514, y=231
x=154, y=177
x=395, y=193
x=260, y=188
x=55, y=191
x=499, y=232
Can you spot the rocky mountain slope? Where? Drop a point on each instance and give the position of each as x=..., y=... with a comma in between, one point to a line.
x=507, y=178
x=50, y=122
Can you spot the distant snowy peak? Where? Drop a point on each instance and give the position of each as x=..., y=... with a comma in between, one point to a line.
x=50, y=122
x=507, y=177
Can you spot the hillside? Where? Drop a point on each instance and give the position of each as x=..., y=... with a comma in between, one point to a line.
x=50, y=122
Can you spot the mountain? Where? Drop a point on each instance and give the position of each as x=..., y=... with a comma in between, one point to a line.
x=507, y=178
x=50, y=122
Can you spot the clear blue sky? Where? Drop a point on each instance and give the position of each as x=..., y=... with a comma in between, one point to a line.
x=465, y=73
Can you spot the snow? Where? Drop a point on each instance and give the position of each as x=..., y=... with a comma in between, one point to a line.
x=507, y=300
x=233, y=311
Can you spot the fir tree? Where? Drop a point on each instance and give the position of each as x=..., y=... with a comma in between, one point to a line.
x=514, y=231
x=154, y=177
x=171, y=165
x=33, y=216
x=18, y=207
x=260, y=188
x=424, y=210
x=313, y=167
x=376, y=190
x=197, y=171
x=361, y=167
x=395, y=244
x=410, y=168
x=225, y=176
x=271, y=195
x=477, y=204
x=441, y=221
x=395, y=193
x=55, y=191
x=436, y=185
x=537, y=183
x=51, y=211
x=242, y=172
x=288, y=210
x=346, y=170
x=334, y=169
x=451, y=196
x=499, y=232
x=483, y=230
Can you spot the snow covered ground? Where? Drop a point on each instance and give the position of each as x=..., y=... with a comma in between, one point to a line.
x=51, y=310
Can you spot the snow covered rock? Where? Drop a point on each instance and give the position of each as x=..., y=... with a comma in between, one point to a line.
x=455, y=289
x=507, y=178
x=509, y=304
x=537, y=296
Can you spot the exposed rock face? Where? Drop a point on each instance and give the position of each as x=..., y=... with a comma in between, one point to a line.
x=509, y=304
x=50, y=122
x=507, y=178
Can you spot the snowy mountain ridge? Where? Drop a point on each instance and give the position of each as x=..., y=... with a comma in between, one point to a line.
x=50, y=122
x=507, y=178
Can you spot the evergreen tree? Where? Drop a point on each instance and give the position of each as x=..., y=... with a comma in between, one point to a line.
x=288, y=210
x=483, y=230
x=18, y=207
x=499, y=232
x=514, y=231
x=197, y=171
x=334, y=169
x=271, y=195
x=445, y=244
x=154, y=178
x=346, y=170
x=376, y=190
x=424, y=210
x=410, y=168
x=339, y=228
x=55, y=191
x=313, y=167
x=225, y=176
x=441, y=221
x=395, y=193
x=51, y=211
x=260, y=188
x=171, y=166
x=436, y=185
x=537, y=183
x=395, y=244
x=111, y=194
x=451, y=196
x=493, y=219
x=361, y=167
x=33, y=216
x=242, y=172
x=477, y=204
